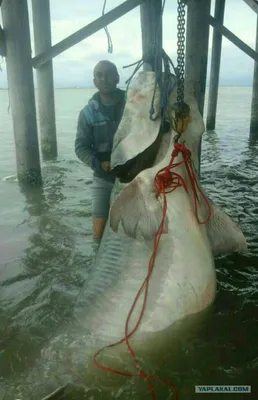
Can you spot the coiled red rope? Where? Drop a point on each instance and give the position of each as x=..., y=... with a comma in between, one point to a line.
x=165, y=181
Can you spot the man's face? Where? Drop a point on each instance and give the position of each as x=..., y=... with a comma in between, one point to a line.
x=105, y=78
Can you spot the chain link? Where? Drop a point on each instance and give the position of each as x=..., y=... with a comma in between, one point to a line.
x=180, y=50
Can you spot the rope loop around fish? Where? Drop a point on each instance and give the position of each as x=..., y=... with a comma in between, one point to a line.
x=166, y=180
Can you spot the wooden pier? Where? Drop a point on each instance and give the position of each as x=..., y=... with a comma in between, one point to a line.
x=15, y=46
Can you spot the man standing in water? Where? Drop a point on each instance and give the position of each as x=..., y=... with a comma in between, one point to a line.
x=97, y=124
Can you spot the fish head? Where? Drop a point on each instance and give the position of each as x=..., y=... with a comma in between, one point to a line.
x=143, y=146
x=146, y=135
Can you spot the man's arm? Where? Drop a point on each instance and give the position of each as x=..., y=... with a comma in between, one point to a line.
x=84, y=143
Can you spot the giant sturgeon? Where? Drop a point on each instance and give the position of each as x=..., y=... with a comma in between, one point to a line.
x=182, y=284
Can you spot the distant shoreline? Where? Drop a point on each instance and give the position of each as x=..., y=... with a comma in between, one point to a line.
x=90, y=87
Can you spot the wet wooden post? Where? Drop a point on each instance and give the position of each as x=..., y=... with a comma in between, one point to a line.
x=197, y=42
x=215, y=66
x=254, y=109
x=45, y=83
x=21, y=89
x=151, y=26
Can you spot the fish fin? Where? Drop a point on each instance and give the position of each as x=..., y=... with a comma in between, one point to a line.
x=223, y=233
x=136, y=131
x=137, y=210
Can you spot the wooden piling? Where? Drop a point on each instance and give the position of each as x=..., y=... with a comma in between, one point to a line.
x=151, y=26
x=45, y=83
x=215, y=66
x=21, y=89
x=254, y=109
x=197, y=41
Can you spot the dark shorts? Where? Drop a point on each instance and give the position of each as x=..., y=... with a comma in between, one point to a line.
x=101, y=192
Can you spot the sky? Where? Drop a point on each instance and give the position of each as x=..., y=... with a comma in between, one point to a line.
x=74, y=66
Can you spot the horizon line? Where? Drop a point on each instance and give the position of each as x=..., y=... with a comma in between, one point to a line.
x=124, y=87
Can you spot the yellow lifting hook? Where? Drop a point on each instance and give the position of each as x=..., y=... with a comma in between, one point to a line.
x=180, y=117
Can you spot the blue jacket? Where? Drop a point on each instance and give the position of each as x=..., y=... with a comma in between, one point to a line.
x=96, y=127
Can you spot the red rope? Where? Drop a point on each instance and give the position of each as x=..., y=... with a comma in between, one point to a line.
x=165, y=178
x=165, y=181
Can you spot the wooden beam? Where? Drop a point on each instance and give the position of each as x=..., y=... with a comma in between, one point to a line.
x=21, y=90
x=233, y=38
x=253, y=4
x=151, y=26
x=215, y=66
x=45, y=81
x=85, y=32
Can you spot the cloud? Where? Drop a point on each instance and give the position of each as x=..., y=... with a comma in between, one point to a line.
x=74, y=66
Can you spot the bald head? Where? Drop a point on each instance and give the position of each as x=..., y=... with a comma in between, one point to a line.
x=105, y=76
x=105, y=65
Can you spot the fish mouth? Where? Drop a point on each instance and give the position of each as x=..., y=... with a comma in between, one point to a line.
x=127, y=172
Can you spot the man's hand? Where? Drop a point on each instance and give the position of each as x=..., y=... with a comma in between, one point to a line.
x=105, y=165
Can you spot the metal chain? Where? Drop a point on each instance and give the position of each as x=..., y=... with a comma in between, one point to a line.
x=180, y=50
x=181, y=109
